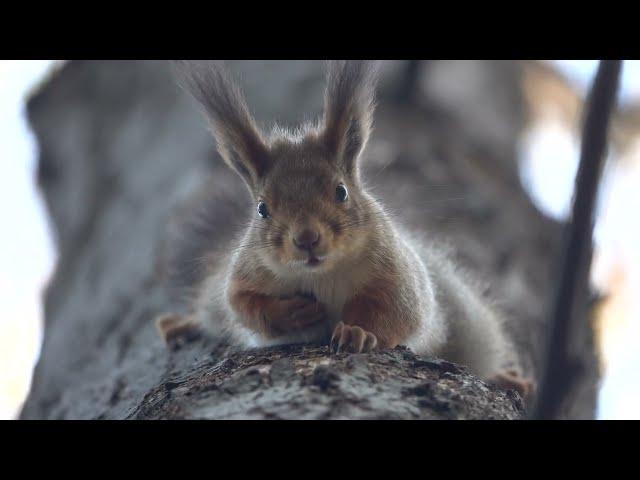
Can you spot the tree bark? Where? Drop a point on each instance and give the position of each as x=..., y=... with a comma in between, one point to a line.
x=122, y=148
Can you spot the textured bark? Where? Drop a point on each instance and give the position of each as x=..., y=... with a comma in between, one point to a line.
x=122, y=149
x=298, y=382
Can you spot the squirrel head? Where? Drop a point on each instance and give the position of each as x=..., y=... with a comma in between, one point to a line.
x=311, y=211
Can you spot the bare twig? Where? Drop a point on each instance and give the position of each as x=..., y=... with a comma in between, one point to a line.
x=560, y=370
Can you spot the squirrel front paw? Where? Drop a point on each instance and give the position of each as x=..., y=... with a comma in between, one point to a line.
x=353, y=339
x=288, y=315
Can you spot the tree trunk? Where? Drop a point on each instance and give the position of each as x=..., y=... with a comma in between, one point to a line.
x=122, y=148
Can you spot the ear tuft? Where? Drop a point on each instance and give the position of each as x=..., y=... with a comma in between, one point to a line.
x=239, y=140
x=349, y=106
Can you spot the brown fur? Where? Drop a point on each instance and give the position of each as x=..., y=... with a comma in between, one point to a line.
x=176, y=328
x=273, y=316
x=374, y=310
x=513, y=380
x=364, y=284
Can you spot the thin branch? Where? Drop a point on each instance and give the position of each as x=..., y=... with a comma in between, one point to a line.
x=409, y=83
x=560, y=370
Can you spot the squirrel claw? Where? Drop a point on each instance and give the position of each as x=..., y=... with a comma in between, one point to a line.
x=351, y=338
x=513, y=380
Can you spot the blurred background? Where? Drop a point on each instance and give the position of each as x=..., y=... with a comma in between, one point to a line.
x=547, y=154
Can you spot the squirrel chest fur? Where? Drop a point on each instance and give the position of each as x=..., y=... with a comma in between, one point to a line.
x=320, y=261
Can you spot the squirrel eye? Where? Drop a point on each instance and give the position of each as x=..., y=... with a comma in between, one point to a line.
x=262, y=210
x=341, y=193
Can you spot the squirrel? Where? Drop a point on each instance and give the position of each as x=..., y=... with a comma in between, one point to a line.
x=320, y=260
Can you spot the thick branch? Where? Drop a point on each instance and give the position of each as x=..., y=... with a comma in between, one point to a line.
x=298, y=382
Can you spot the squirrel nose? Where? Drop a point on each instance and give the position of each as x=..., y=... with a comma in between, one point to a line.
x=306, y=239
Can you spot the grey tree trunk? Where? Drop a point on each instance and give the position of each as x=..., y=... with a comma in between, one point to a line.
x=122, y=148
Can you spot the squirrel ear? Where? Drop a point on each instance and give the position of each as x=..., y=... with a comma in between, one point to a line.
x=348, y=109
x=239, y=140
